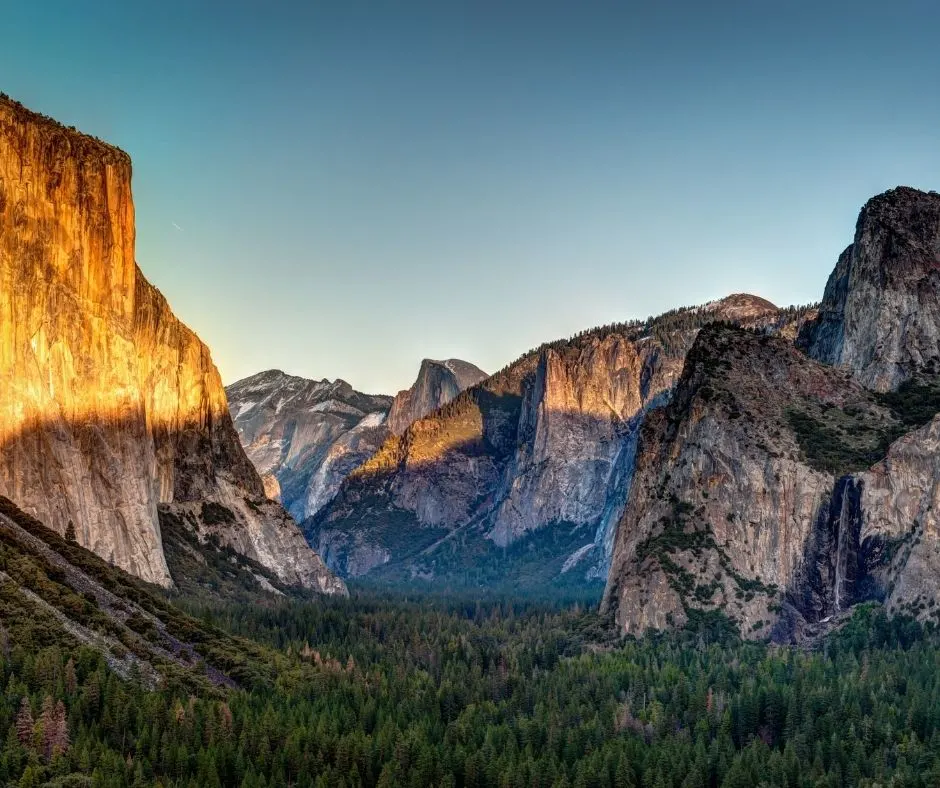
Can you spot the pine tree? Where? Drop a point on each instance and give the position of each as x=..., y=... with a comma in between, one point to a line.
x=46, y=727
x=58, y=737
x=30, y=779
x=71, y=680
x=623, y=777
x=25, y=723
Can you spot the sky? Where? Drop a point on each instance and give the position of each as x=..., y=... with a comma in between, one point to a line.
x=340, y=189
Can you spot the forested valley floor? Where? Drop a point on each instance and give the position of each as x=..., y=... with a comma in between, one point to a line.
x=379, y=691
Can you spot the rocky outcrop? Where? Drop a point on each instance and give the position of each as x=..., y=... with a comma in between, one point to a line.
x=576, y=415
x=740, y=501
x=880, y=314
x=109, y=406
x=343, y=456
x=539, y=455
x=306, y=436
x=437, y=384
x=781, y=490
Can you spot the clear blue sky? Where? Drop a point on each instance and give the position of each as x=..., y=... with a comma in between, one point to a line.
x=360, y=185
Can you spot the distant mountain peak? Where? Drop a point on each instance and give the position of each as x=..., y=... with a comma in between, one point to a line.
x=438, y=382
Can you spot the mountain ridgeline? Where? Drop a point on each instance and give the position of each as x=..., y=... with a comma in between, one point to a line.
x=112, y=414
x=306, y=436
x=777, y=466
x=774, y=466
x=520, y=480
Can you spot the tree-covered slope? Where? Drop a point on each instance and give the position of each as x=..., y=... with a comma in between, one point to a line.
x=108, y=683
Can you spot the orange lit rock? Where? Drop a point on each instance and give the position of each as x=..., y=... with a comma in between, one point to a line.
x=109, y=406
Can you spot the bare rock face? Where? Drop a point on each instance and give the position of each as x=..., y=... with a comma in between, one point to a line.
x=343, y=456
x=727, y=511
x=540, y=454
x=305, y=435
x=781, y=490
x=437, y=384
x=109, y=406
x=880, y=314
x=776, y=490
x=575, y=414
x=898, y=536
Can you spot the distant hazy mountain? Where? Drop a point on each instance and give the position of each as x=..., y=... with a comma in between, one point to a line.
x=305, y=436
x=289, y=425
x=437, y=384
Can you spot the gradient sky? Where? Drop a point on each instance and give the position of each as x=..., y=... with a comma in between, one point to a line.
x=340, y=189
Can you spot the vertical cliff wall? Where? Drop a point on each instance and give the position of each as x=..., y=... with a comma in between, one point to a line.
x=734, y=504
x=781, y=490
x=109, y=406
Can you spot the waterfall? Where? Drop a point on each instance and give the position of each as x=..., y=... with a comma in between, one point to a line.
x=844, y=540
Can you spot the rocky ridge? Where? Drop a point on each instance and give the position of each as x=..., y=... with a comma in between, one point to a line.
x=880, y=313
x=305, y=436
x=541, y=451
x=437, y=384
x=735, y=505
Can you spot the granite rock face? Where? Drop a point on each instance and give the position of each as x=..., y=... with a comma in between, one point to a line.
x=542, y=448
x=109, y=406
x=759, y=493
x=726, y=511
x=782, y=490
x=576, y=414
x=880, y=314
x=898, y=539
x=304, y=436
x=437, y=384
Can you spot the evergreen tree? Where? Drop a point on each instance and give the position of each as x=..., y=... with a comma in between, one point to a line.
x=25, y=723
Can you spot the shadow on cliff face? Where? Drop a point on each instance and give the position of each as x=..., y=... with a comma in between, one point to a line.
x=482, y=469
x=105, y=478
x=478, y=422
x=840, y=567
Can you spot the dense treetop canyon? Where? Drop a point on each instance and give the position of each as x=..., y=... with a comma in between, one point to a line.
x=698, y=549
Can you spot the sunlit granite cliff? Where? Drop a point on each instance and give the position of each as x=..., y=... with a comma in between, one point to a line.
x=438, y=382
x=111, y=410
